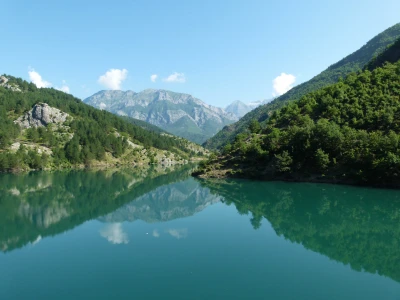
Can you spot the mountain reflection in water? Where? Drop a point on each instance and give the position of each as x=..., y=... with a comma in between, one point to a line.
x=41, y=204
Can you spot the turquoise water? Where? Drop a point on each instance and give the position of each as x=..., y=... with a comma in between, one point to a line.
x=125, y=235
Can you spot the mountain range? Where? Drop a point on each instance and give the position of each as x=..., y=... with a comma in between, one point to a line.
x=180, y=114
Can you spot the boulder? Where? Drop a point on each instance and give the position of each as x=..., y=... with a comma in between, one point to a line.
x=41, y=115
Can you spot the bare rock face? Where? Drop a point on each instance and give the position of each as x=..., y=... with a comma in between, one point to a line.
x=3, y=80
x=180, y=114
x=13, y=87
x=41, y=115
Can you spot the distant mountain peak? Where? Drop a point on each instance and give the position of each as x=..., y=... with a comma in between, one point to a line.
x=179, y=113
x=237, y=102
x=239, y=108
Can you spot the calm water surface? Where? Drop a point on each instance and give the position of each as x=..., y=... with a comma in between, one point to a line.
x=150, y=235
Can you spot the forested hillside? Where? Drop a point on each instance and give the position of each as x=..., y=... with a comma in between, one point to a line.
x=352, y=63
x=347, y=132
x=392, y=54
x=88, y=136
x=143, y=124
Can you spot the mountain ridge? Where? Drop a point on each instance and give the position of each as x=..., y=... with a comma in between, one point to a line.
x=169, y=110
x=348, y=132
x=354, y=62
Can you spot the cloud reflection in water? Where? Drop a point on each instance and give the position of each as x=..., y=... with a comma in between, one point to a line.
x=114, y=233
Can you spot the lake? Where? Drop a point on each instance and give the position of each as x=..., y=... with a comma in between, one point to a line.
x=160, y=234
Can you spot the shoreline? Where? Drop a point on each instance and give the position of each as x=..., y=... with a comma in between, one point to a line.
x=311, y=179
x=101, y=166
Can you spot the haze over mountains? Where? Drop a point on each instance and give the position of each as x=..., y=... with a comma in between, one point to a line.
x=239, y=108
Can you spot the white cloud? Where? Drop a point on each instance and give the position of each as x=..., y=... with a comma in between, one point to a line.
x=178, y=233
x=176, y=77
x=64, y=88
x=153, y=77
x=38, y=80
x=113, y=78
x=156, y=234
x=283, y=83
x=114, y=234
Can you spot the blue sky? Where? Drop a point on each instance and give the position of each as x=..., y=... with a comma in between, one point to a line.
x=218, y=51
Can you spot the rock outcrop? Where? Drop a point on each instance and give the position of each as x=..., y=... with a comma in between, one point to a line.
x=3, y=80
x=42, y=115
x=4, y=83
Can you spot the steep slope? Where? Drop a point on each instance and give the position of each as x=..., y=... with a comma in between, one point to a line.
x=352, y=63
x=46, y=128
x=348, y=132
x=392, y=54
x=143, y=124
x=179, y=114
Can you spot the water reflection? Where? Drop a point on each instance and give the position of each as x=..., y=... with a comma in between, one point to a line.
x=165, y=203
x=355, y=226
x=36, y=205
x=114, y=233
x=178, y=233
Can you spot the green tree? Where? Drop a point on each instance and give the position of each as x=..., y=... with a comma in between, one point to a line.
x=254, y=126
x=322, y=159
x=72, y=151
x=283, y=162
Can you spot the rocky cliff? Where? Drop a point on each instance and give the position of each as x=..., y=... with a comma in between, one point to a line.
x=4, y=83
x=41, y=115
